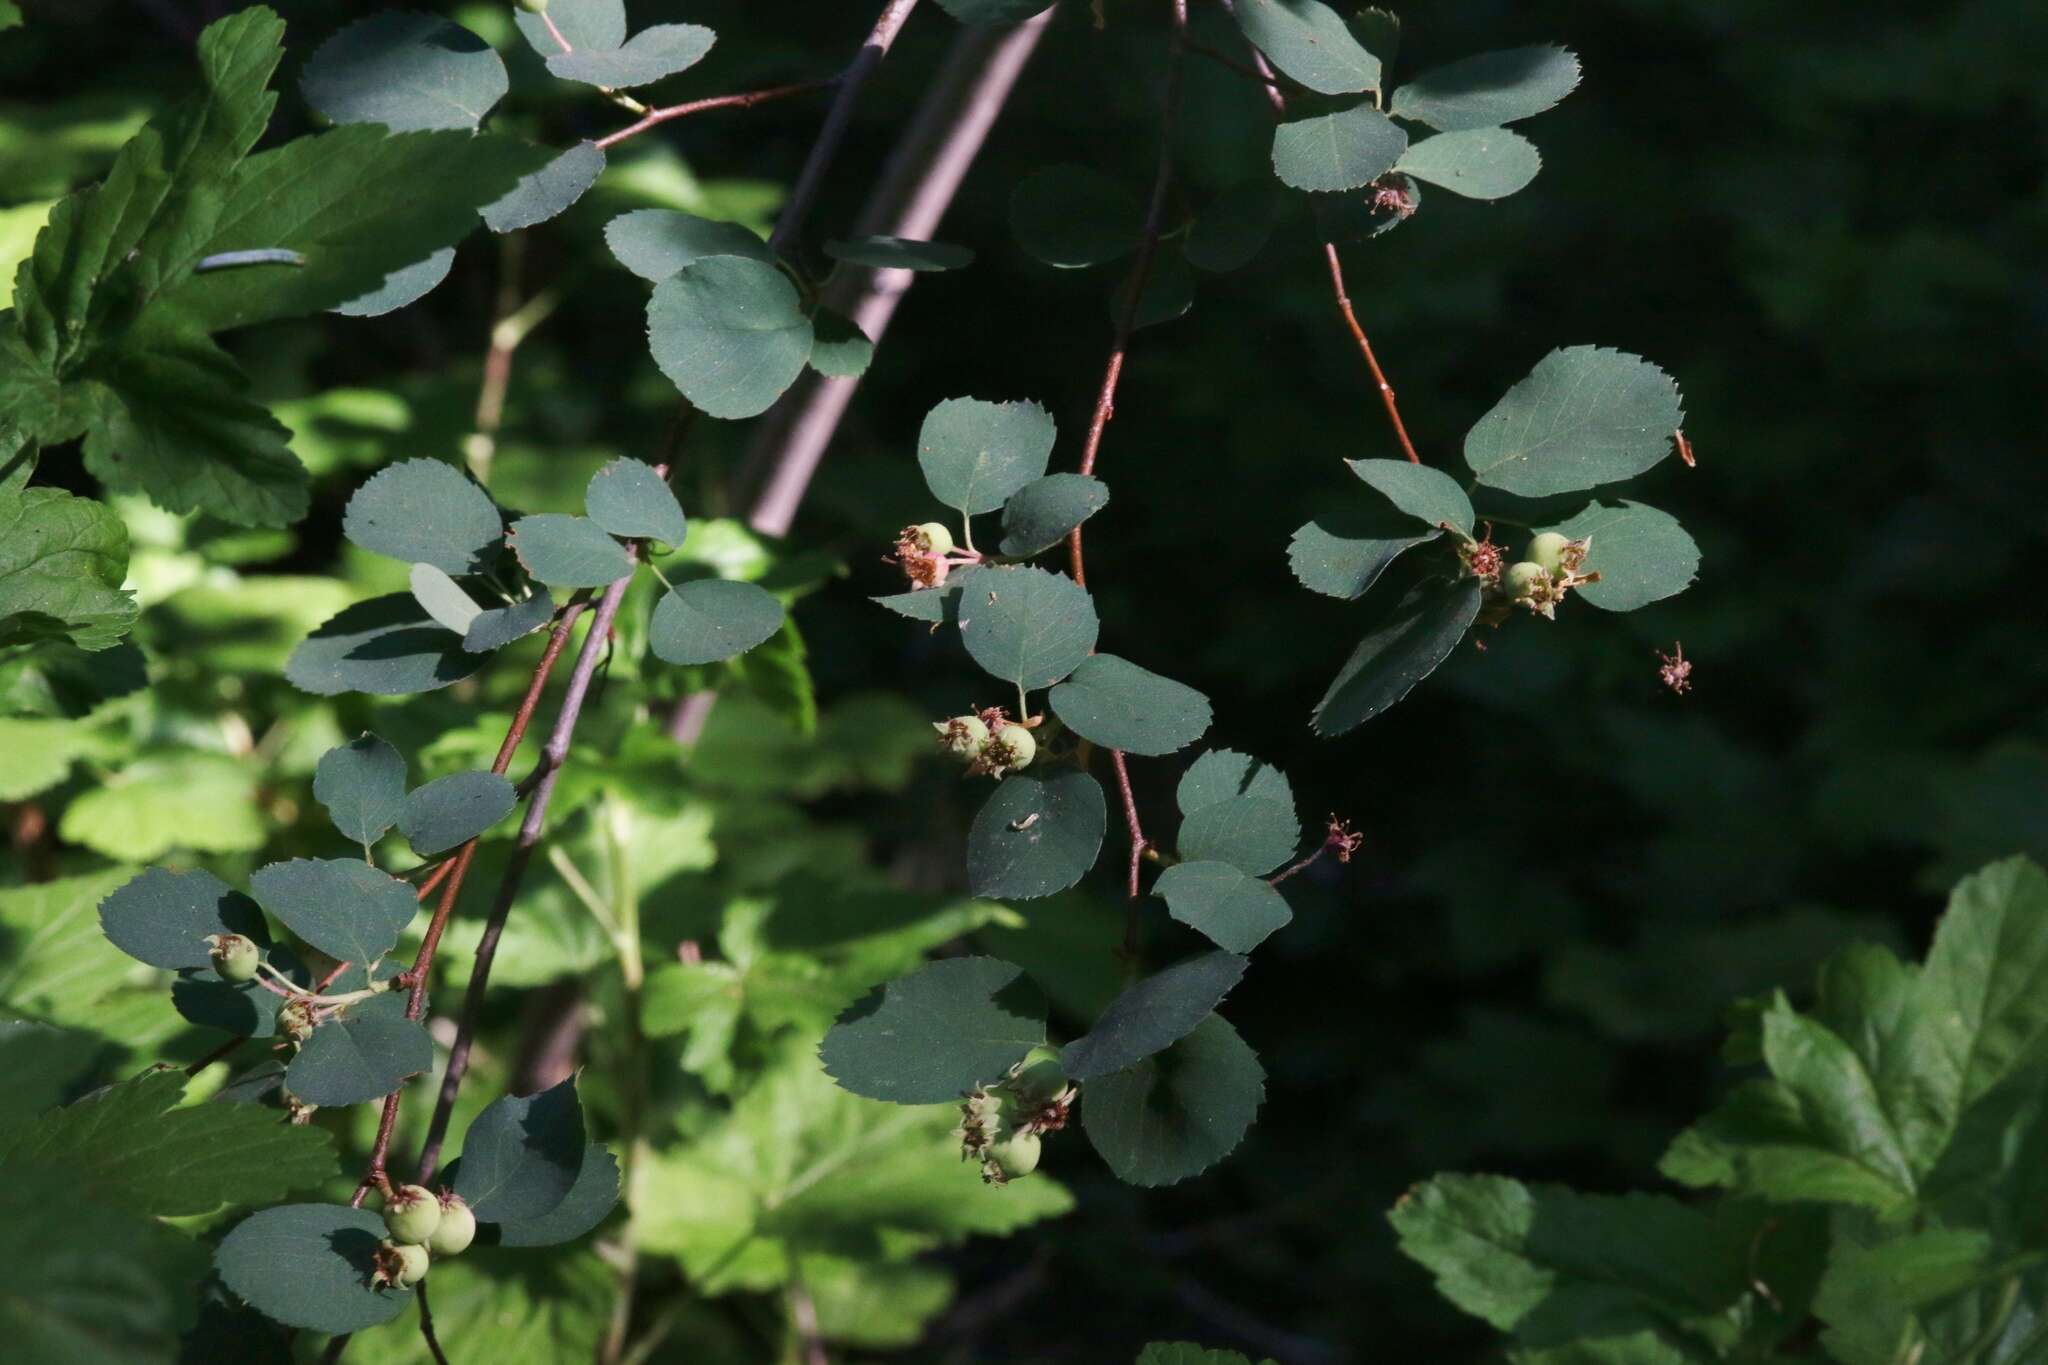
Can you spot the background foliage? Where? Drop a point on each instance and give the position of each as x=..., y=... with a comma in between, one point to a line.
x=1826, y=219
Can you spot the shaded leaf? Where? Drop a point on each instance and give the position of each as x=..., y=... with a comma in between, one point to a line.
x=342, y=906
x=1342, y=553
x=655, y=243
x=1178, y=1113
x=386, y=646
x=407, y=71
x=1236, y=911
x=730, y=333
x=628, y=498
x=453, y=810
x=1403, y=646
x=164, y=917
x=546, y=191
x=1308, y=41
x=1119, y=705
x=1038, y=516
x=708, y=619
x=1232, y=228
x=1429, y=495
x=1338, y=151
x=928, y=1037
x=975, y=454
x=1025, y=625
x=365, y=1054
x=309, y=1265
x=900, y=253
x=1490, y=89
x=592, y=1196
x=1071, y=216
x=522, y=1155
x=407, y=284
x=1641, y=554
x=500, y=626
x=425, y=511
x=1034, y=836
x=568, y=552
x=362, y=784
x=655, y=52
x=1152, y=1015
x=839, y=349
x=442, y=598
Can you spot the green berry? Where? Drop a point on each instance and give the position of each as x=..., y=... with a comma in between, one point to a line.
x=1526, y=581
x=1547, y=549
x=402, y=1263
x=1009, y=749
x=1015, y=1157
x=962, y=736
x=457, y=1228
x=234, y=956
x=932, y=537
x=1038, y=1078
x=534, y=6
x=412, y=1212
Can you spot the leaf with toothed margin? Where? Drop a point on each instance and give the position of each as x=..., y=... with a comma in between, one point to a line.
x=1235, y=910
x=500, y=626
x=1179, y=1112
x=342, y=906
x=522, y=1155
x=1237, y=810
x=1152, y=1015
x=1344, y=551
x=309, y=1265
x=363, y=1054
x=1039, y=515
x=975, y=454
x=945, y=1028
x=454, y=809
x=1307, y=40
x=425, y=511
x=1479, y=163
x=548, y=191
x=386, y=646
x=1490, y=89
x=1027, y=626
x=1338, y=151
x=730, y=333
x=163, y=917
x=709, y=619
x=1119, y=705
x=568, y=552
x=630, y=499
x=1641, y=554
x=405, y=285
x=1585, y=415
x=407, y=71
x=1403, y=646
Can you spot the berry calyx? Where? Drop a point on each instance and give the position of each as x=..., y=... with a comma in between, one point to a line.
x=403, y=1264
x=457, y=1228
x=234, y=956
x=1013, y=1158
x=1482, y=559
x=295, y=1019
x=412, y=1212
x=1529, y=584
x=962, y=736
x=931, y=537
x=1007, y=750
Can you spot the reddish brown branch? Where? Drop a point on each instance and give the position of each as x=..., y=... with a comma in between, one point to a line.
x=744, y=100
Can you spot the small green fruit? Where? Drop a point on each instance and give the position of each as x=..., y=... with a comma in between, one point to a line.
x=1038, y=1078
x=402, y=1263
x=1526, y=581
x=1547, y=549
x=962, y=736
x=412, y=1212
x=234, y=956
x=457, y=1228
x=932, y=537
x=1009, y=749
x=534, y=6
x=1015, y=1157
x=295, y=1019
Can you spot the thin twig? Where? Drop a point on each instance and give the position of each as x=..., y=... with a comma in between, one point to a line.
x=1105, y=408
x=744, y=100
x=427, y=1324
x=1278, y=100
x=210, y=1058
x=530, y=827
x=812, y=177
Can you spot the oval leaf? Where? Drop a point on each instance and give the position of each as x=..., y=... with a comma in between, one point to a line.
x=592, y=1196
x=500, y=626
x=927, y=1037
x=1403, y=647
x=454, y=809
x=655, y=243
x=1071, y=216
x=1035, y=836
x=1152, y=1015
x=364, y=1055
x=386, y=646
x=362, y=784
x=309, y=1265
x=424, y=511
x=1039, y=515
x=542, y=194
x=653, y=53
x=627, y=498
x=1429, y=495
x=975, y=454
x=522, y=1155
x=1227, y=775
x=407, y=284
x=1119, y=705
x=900, y=253
x=569, y=552
x=1585, y=415
x=1308, y=41
x=1343, y=553
x=164, y=917
x=1025, y=625
x=406, y=71
x=342, y=906
x=1641, y=554
x=839, y=349
x=729, y=333
x=1179, y=1113
x=1490, y=89
x=442, y=598
x=1339, y=151
x=709, y=619
x=1235, y=910
x=1479, y=163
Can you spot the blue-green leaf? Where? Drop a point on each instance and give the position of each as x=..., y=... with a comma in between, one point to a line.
x=362, y=784
x=1035, y=836
x=454, y=809
x=342, y=906
x=927, y=1037
x=407, y=71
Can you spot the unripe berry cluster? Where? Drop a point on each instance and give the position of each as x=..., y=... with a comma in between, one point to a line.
x=926, y=554
x=987, y=742
x=1002, y=1125
x=422, y=1225
x=1552, y=566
